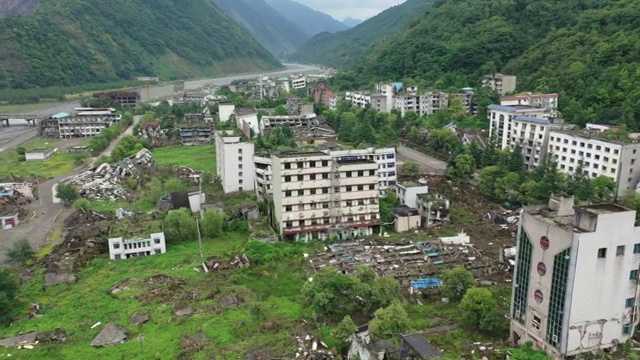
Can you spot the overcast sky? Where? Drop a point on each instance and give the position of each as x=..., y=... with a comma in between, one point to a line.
x=357, y=9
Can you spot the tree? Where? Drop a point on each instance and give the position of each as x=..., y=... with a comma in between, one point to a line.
x=603, y=189
x=456, y=282
x=331, y=293
x=443, y=140
x=366, y=274
x=463, y=167
x=411, y=168
x=212, y=223
x=345, y=328
x=390, y=321
x=478, y=308
x=507, y=187
x=579, y=184
x=384, y=291
x=21, y=151
x=515, y=163
x=179, y=226
x=8, y=290
x=488, y=177
x=21, y=252
x=67, y=193
x=281, y=110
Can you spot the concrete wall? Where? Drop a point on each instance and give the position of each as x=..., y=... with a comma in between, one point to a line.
x=225, y=111
x=406, y=223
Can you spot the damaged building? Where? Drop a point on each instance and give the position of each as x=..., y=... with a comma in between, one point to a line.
x=105, y=181
x=124, y=98
x=410, y=347
x=196, y=135
x=85, y=122
x=270, y=122
x=136, y=245
x=575, y=286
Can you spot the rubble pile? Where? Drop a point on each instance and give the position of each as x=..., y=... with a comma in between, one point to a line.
x=186, y=174
x=311, y=348
x=17, y=193
x=216, y=263
x=407, y=262
x=105, y=181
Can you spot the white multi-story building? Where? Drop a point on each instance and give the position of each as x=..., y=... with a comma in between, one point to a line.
x=599, y=157
x=316, y=196
x=386, y=93
x=124, y=248
x=299, y=83
x=270, y=122
x=501, y=120
x=247, y=118
x=406, y=103
x=225, y=110
x=549, y=102
x=575, y=285
x=503, y=84
x=384, y=158
x=358, y=98
x=532, y=134
x=234, y=162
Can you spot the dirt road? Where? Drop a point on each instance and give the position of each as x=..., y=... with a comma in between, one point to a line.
x=427, y=163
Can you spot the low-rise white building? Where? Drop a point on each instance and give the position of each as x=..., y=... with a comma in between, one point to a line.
x=501, y=120
x=38, y=155
x=225, y=110
x=8, y=219
x=234, y=162
x=502, y=84
x=575, y=284
x=125, y=248
x=299, y=83
x=408, y=192
x=532, y=134
x=247, y=118
x=599, y=157
x=548, y=102
x=360, y=99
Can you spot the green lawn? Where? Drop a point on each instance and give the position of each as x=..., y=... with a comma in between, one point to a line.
x=196, y=157
x=11, y=163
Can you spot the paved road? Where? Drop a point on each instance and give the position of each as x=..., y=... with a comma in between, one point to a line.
x=427, y=163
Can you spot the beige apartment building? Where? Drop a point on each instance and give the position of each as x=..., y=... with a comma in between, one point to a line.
x=317, y=196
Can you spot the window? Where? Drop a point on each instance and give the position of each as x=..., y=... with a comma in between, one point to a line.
x=287, y=193
x=240, y=189
x=239, y=151
x=325, y=205
x=288, y=224
x=349, y=203
x=287, y=178
x=372, y=172
x=288, y=208
x=348, y=188
x=239, y=158
x=240, y=167
x=312, y=192
x=360, y=202
x=325, y=176
x=325, y=190
x=326, y=221
x=116, y=245
x=287, y=165
x=156, y=241
x=299, y=164
x=360, y=173
x=630, y=302
x=536, y=322
x=348, y=173
x=372, y=187
x=602, y=253
x=626, y=329
x=633, y=275
x=633, y=161
x=240, y=181
x=325, y=163
x=620, y=250
x=636, y=248
x=363, y=218
x=360, y=187
x=157, y=251
x=598, y=147
x=312, y=164
x=239, y=173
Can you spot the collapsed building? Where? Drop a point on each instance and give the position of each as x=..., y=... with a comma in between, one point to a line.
x=105, y=181
x=196, y=135
x=124, y=98
x=268, y=123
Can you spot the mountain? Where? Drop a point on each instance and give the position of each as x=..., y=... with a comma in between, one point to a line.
x=351, y=22
x=585, y=50
x=340, y=48
x=17, y=7
x=74, y=42
x=312, y=22
x=269, y=27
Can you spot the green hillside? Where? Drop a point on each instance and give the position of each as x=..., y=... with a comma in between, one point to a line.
x=73, y=42
x=337, y=49
x=586, y=50
x=266, y=25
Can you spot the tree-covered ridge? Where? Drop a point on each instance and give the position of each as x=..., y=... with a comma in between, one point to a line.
x=341, y=48
x=71, y=42
x=586, y=50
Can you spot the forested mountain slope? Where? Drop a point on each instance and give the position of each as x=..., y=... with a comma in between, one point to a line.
x=72, y=42
x=17, y=7
x=268, y=26
x=587, y=50
x=312, y=22
x=338, y=49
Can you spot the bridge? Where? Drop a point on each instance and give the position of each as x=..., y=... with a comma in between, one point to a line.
x=32, y=120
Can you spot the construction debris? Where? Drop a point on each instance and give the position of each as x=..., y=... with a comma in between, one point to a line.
x=19, y=341
x=105, y=181
x=57, y=336
x=182, y=310
x=52, y=279
x=110, y=335
x=311, y=348
x=139, y=319
x=193, y=343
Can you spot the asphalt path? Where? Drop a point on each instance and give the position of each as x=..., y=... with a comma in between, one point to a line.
x=427, y=163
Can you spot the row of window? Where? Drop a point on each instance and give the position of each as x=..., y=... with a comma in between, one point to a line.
x=136, y=245
x=311, y=164
x=325, y=205
x=325, y=190
x=588, y=155
x=620, y=250
x=327, y=221
x=582, y=144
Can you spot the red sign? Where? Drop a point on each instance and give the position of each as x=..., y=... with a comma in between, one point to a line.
x=544, y=243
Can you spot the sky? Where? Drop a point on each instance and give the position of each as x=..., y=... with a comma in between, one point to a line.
x=357, y=9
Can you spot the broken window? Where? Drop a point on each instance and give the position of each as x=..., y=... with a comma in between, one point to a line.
x=602, y=253
x=633, y=275
x=116, y=245
x=620, y=250
x=630, y=302
x=626, y=329
x=287, y=165
x=536, y=322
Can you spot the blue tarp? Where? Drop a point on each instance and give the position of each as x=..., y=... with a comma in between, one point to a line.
x=438, y=262
x=427, y=283
x=60, y=115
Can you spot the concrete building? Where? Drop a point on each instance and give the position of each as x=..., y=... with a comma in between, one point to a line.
x=38, y=155
x=501, y=120
x=247, y=119
x=408, y=192
x=467, y=98
x=295, y=106
x=322, y=94
x=234, y=162
x=124, y=98
x=385, y=94
x=195, y=135
x=406, y=218
x=575, y=284
x=299, y=82
x=225, y=110
x=434, y=209
x=532, y=134
x=548, y=102
x=263, y=176
x=360, y=99
x=8, y=219
x=269, y=123
x=123, y=248
x=316, y=195
x=599, y=157
x=502, y=84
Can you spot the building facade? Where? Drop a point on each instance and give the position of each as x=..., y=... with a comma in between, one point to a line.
x=575, y=284
x=299, y=83
x=234, y=162
x=616, y=160
x=38, y=155
x=122, y=248
x=501, y=121
x=268, y=122
x=502, y=84
x=532, y=134
x=358, y=98
x=316, y=196
x=548, y=102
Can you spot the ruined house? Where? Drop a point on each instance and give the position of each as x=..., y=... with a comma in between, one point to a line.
x=411, y=347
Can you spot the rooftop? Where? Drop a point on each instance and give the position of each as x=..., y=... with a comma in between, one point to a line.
x=604, y=208
x=404, y=210
x=39, y=151
x=128, y=228
x=512, y=108
x=294, y=154
x=532, y=119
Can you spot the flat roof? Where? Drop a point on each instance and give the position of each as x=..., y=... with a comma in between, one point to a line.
x=300, y=154
x=604, y=208
x=38, y=151
x=533, y=119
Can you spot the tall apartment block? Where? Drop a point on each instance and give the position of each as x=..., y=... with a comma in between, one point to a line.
x=503, y=84
x=617, y=160
x=501, y=120
x=316, y=196
x=575, y=285
x=532, y=134
x=234, y=162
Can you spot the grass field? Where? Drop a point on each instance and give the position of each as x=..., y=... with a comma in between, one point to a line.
x=196, y=157
x=11, y=163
